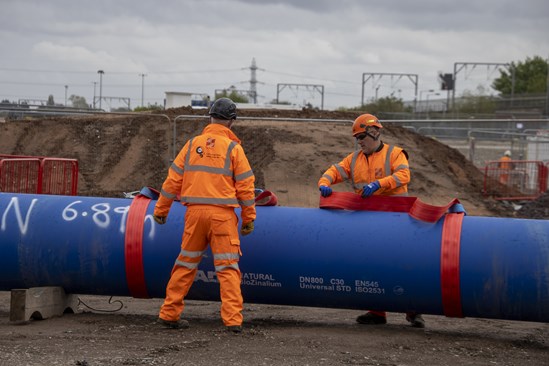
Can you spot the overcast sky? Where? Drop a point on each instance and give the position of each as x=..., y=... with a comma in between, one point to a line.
x=199, y=46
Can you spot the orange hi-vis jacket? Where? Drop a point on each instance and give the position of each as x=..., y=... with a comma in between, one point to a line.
x=388, y=165
x=211, y=169
x=504, y=162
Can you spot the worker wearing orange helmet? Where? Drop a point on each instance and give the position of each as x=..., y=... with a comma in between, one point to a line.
x=376, y=169
x=212, y=176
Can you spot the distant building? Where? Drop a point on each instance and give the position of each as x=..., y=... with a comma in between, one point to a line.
x=177, y=99
x=184, y=99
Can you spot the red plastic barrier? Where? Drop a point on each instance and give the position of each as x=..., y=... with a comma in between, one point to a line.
x=516, y=180
x=36, y=174
x=59, y=176
x=20, y=175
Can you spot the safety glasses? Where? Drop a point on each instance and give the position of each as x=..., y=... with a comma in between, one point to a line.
x=361, y=136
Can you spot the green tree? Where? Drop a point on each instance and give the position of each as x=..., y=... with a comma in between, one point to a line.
x=384, y=104
x=475, y=103
x=121, y=109
x=50, y=101
x=282, y=102
x=530, y=77
x=232, y=94
x=150, y=107
x=78, y=102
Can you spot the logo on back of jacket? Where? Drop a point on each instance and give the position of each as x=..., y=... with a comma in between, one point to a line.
x=210, y=145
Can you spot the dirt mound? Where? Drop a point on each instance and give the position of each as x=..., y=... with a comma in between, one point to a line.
x=122, y=153
x=119, y=154
x=538, y=209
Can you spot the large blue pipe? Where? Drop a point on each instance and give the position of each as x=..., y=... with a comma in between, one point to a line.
x=296, y=256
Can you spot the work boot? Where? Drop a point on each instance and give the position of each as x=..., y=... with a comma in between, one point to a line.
x=235, y=328
x=371, y=318
x=173, y=324
x=416, y=320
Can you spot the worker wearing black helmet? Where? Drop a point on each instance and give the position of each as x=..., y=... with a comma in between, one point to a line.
x=212, y=177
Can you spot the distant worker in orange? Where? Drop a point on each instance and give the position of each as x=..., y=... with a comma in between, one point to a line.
x=212, y=176
x=505, y=166
x=376, y=169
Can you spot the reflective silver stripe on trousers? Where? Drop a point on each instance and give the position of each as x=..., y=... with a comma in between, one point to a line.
x=233, y=266
x=226, y=256
x=190, y=254
x=186, y=264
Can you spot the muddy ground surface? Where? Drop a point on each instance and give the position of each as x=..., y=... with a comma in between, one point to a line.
x=120, y=154
x=273, y=335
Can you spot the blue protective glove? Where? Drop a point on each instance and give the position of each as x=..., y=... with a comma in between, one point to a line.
x=325, y=191
x=368, y=190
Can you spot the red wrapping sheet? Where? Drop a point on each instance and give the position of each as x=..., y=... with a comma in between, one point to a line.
x=412, y=205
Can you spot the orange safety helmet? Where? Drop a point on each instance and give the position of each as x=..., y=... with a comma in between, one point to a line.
x=363, y=121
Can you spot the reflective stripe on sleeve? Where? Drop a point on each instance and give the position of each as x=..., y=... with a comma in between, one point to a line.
x=168, y=195
x=176, y=169
x=247, y=203
x=328, y=177
x=341, y=172
x=244, y=175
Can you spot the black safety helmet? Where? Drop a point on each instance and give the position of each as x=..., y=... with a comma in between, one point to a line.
x=223, y=108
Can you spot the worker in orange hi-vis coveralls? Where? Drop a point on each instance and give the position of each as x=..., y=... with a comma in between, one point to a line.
x=505, y=166
x=212, y=176
x=375, y=169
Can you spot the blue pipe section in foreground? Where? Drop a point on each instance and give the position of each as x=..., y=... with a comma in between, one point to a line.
x=296, y=256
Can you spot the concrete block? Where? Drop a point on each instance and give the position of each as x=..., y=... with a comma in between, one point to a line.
x=40, y=303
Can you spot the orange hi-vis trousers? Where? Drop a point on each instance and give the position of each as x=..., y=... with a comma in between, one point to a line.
x=217, y=226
